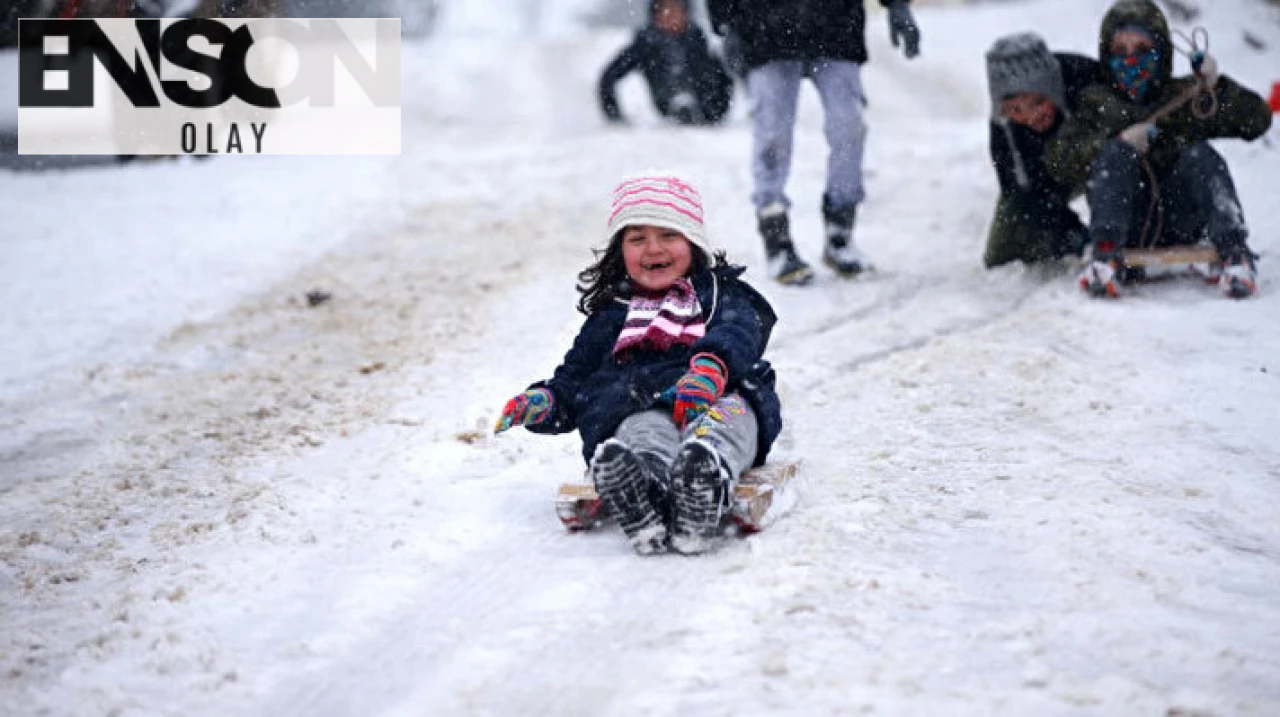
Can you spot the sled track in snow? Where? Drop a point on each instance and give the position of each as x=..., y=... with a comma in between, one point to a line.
x=960, y=327
x=903, y=296
x=901, y=293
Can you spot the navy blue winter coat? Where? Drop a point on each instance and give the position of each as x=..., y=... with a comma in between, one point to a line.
x=594, y=392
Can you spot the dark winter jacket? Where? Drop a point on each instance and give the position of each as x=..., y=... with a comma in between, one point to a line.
x=594, y=391
x=670, y=64
x=237, y=8
x=794, y=29
x=1017, y=151
x=1105, y=110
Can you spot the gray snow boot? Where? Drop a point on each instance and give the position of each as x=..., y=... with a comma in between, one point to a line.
x=631, y=491
x=701, y=486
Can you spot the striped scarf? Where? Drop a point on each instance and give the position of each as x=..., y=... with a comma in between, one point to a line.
x=656, y=322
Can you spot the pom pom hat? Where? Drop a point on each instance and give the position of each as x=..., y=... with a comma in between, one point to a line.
x=1022, y=63
x=660, y=199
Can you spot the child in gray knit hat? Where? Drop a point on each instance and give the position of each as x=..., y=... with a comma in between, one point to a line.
x=1032, y=92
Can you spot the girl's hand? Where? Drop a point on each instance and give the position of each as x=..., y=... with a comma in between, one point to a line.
x=698, y=390
x=532, y=406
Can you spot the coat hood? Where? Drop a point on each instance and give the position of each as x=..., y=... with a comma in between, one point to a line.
x=1137, y=12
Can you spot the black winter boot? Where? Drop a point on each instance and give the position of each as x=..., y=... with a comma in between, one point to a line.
x=1104, y=271
x=701, y=486
x=841, y=253
x=1239, y=272
x=630, y=489
x=785, y=265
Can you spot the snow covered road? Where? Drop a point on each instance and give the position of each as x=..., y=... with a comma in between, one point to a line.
x=215, y=499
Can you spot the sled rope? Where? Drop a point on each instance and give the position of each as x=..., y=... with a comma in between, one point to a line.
x=1153, y=208
x=1204, y=104
x=1203, y=97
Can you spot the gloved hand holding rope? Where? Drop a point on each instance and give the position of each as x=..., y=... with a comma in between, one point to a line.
x=1202, y=95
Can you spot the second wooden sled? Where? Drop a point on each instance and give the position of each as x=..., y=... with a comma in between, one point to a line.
x=1140, y=266
x=1171, y=256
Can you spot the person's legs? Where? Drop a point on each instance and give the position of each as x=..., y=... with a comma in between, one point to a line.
x=653, y=436
x=630, y=474
x=774, y=88
x=1121, y=215
x=1200, y=201
x=839, y=85
x=1119, y=195
x=1016, y=234
x=718, y=448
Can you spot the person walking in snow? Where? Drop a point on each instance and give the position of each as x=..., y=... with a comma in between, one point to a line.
x=783, y=42
x=1032, y=93
x=666, y=380
x=687, y=82
x=1140, y=140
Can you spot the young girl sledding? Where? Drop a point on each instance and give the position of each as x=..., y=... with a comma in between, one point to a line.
x=665, y=381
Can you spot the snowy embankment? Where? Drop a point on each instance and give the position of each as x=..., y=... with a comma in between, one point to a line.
x=217, y=500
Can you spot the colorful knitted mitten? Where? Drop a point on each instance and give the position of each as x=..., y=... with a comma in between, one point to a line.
x=699, y=389
x=532, y=406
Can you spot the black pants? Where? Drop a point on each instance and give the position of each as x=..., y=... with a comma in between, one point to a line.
x=1032, y=229
x=1195, y=201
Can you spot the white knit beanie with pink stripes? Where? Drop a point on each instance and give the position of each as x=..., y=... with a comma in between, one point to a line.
x=660, y=199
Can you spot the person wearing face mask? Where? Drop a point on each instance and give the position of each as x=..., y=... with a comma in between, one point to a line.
x=1140, y=142
x=1033, y=91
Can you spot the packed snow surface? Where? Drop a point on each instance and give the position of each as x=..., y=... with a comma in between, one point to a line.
x=216, y=499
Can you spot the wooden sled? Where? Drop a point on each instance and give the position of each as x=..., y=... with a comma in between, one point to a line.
x=578, y=506
x=1171, y=256
x=1145, y=266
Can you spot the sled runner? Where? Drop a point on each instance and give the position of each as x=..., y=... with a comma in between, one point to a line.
x=759, y=491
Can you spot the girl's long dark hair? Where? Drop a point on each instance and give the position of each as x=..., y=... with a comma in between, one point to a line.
x=607, y=279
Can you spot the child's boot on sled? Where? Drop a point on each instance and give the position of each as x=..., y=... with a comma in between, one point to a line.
x=1102, y=273
x=701, y=487
x=1239, y=273
x=841, y=253
x=784, y=264
x=630, y=490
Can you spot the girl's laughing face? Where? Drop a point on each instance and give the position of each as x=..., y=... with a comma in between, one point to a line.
x=655, y=257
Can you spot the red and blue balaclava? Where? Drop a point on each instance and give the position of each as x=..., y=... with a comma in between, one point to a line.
x=1135, y=74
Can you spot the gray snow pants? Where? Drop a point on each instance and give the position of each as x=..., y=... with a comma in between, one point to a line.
x=1196, y=200
x=775, y=89
x=730, y=427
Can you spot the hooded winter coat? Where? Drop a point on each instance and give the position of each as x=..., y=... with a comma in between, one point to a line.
x=594, y=391
x=1105, y=110
x=794, y=29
